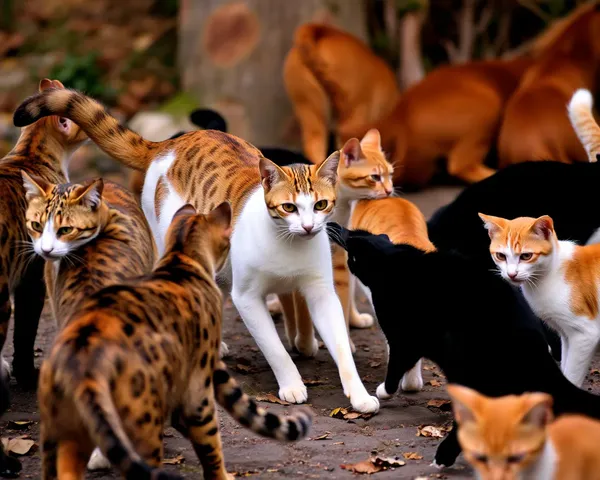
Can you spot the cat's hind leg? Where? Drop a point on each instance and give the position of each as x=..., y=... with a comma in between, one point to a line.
x=401, y=359
x=467, y=157
x=71, y=461
x=581, y=349
x=305, y=341
x=412, y=381
x=286, y=300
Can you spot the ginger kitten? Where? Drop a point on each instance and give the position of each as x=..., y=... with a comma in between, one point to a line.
x=559, y=279
x=515, y=438
x=279, y=244
x=139, y=353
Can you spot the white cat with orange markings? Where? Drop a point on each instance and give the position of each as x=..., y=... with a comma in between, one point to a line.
x=559, y=279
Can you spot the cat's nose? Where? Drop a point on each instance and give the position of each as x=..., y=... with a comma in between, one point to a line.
x=307, y=228
x=512, y=275
x=47, y=251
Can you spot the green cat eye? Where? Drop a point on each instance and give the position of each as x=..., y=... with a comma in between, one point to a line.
x=36, y=226
x=321, y=205
x=64, y=230
x=288, y=207
x=376, y=178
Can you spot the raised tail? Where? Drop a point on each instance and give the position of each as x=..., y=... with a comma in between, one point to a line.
x=584, y=123
x=244, y=409
x=116, y=140
x=96, y=408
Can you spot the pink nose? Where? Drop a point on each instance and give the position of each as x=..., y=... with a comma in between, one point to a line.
x=308, y=228
x=388, y=192
x=512, y=275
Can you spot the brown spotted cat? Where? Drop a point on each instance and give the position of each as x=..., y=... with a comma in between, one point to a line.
x=139, y=353
x=279, y=243
x=43, y=150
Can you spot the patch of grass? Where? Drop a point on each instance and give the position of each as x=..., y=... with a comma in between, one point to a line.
x=180, y=104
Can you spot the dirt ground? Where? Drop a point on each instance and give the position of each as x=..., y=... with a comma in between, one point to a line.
x=391, y=433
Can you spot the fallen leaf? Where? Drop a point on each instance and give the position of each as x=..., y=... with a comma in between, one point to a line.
x=338, y=443
x=247, y=473
x=346, y=414
x=440, y=403
x=338, y=412
x=352, y=416
x=269, y=397
x=242, y=368
x=374, y=364
x=18, y=446
x=325, y=436
x=595, y=371
x=19, y=425
x=316, y=382
x=373, y=465
x=412, y=456
x=434, y=383
x=175, y=460
x=430, y=431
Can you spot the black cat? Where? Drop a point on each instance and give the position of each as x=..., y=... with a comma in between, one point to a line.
x=9, y=466
x=447, y=308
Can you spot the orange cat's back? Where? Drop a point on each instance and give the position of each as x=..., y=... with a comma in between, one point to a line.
x=576, y=440
x=396, y=217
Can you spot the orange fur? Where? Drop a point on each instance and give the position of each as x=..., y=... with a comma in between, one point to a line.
x=535, y=125
x=504, y=438
x=330, y=73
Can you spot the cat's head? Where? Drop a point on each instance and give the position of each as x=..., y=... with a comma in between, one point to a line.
x=62, y=218
x=521, y=248
x=300, y=198
x=202, y=237
x=500, y=437
x=364, y=172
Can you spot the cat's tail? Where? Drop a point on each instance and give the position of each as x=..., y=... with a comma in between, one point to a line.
x=94, y=403
x=584, y=123
x=105, y=130
x=244, y=409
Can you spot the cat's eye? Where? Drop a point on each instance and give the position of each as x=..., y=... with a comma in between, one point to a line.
x=64, y=230
x=515, y=458
x=526, y=256
x=321, y=205
x=500, y=256
x=289, y=207
x=376, y=178
x=479, y=457
x=36, y=226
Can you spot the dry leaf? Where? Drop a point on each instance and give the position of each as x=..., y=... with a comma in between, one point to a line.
x=412, y=456
x=346, y=414
x=430, y=431
x=338, y=412
x=440, y=403
x=338, y=443
x=175, y=460
x=434, y=383
x=269, y=397
x=18, y=446
x=309, y=383
x=242, y=368
x=373, y=465
x=19, y=425
x=352, y=416
x=325, y=436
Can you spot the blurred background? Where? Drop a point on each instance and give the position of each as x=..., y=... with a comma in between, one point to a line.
x=153, y=61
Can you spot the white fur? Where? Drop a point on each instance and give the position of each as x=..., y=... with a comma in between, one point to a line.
x=549, y=295
x=48, y=245
x=580, y=108
x=5, y=369
x=98, y=461
x=544, y=466
x=595, y=238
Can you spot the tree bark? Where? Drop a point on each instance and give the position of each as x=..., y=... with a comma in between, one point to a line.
x=411, y=68
x=235, y=66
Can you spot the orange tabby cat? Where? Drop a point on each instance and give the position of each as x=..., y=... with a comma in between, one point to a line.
x=514, y=437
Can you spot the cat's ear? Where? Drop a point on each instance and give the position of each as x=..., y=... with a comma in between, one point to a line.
x=492, y=224
x=351, y=152
x=185, y=211
x=329, y=167
x=221, y=216
x=270, y=173
x=539, y=409
x=464, y=402
x=543, y=226
x=34, y=186
x=372, y=139
x=90, y=195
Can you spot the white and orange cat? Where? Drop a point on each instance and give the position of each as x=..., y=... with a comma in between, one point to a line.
x=559, y=279
x=515, y=437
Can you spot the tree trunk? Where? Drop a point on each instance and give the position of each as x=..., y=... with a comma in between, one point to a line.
x=231, y=57
x=411, y=68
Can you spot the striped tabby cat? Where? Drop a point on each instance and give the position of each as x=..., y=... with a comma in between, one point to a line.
x=141, y=352
x=43, y=150
x=278, y=244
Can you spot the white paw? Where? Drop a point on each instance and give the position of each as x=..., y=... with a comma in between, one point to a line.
x=224, y=351
x=5, y=370
x=364, y=320
x=295, y=394
x=412, y=381
x=439, y=467
x=274, y=305
x=365, y=404
x=382, y=393
x=310, y=349
x=98, y=461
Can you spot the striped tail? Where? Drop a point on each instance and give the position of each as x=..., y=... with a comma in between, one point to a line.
x=98, y=411
x=584, y=123
x=116, y=140
x=241, y=407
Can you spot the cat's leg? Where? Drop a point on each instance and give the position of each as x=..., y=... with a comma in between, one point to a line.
x=29, y=297
x=253, y=310
x=98, y=461
x=225, y=288
x=400, y=360
x=582, y=346
x=305, y=341
x=71, y=461
x=412, y=381
x=328, y=317
x=358, y=320
x=10, y=466
x=286, y=300
x=341, y=280
x=466, y=159
x=448, y=449
x=274, y=305
x=5, y=312
x=49, y=453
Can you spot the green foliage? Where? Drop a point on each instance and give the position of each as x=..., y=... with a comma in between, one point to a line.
x=180, y=104
x=83, y=73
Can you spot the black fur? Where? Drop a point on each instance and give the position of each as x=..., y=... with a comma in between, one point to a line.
x=9, y=466
x=447, y=308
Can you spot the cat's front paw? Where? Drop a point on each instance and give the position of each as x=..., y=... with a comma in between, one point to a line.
x=412, y=381
x=274, y=305
x=365, y=404
x=362, y=320
x=224, y=351
x=294, y=394
x=98, y=461
x=382, y=393
x=309, y=347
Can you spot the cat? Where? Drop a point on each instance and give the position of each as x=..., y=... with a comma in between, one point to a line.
x=43, y=149
x=278, y=245
x=516, y=437
x=461, y=317
x=91, y=236
x=559, y=279
x=145, y=350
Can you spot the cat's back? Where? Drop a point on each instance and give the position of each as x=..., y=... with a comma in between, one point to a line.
x=582, y=276
x=576, y=439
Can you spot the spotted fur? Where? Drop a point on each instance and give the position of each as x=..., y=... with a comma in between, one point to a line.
x=142, y=352
x=43, y=149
